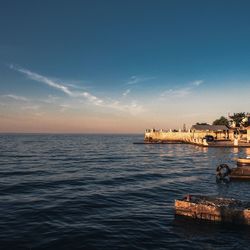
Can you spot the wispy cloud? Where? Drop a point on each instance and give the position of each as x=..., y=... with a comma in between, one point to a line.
x=136, y=79
x=16, y=97
x=51, y=99
x=197, y=83
x=182, y=92
x=178, y=93
x=126, y=92
x=31, y=107
x=43, y=79
x=72, y=84
x=133, y=80
x=93, y=99
x=64, y=107
x=132, y=108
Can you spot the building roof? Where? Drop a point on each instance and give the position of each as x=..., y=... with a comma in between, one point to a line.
x=210, y=127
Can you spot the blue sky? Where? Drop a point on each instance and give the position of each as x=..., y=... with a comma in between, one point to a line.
x=121, y=66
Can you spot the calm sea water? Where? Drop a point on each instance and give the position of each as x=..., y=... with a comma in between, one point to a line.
x=104, y=192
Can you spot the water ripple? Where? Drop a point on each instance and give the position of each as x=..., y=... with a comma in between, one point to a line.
x=104, y=192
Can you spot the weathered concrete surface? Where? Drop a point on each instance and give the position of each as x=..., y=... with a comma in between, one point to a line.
x=152, y=134
x=222, y=210
x=167, y=136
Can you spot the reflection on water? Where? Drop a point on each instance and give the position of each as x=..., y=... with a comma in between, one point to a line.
x=211, y=234
x=247, y=151
x=203, y=149
x=104, y=192
x=236, y=150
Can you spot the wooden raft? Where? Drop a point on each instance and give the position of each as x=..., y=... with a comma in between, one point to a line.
x=213, y=209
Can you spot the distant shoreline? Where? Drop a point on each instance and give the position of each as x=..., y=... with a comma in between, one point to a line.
x=65, y=133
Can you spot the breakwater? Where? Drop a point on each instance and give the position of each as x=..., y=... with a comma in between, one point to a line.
x=180, y=136
x=196, y=137
x=151, y=135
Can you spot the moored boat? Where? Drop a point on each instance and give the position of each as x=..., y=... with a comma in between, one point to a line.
x=225, y=173
x=240, y=173
x=243, y=161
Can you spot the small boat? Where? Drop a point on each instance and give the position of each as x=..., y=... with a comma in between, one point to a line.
x=224, y=173
x=240, y=173
x=213, y=209
x=243, y=161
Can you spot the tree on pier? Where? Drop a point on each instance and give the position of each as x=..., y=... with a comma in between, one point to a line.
x=239, y=119
x=221, y=121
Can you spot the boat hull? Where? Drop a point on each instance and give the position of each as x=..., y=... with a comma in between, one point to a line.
x=243, y=161
x=240, y=173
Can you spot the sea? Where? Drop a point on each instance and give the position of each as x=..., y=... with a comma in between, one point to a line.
x=78, y=191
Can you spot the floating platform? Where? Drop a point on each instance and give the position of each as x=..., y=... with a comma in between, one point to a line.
x=213, y=209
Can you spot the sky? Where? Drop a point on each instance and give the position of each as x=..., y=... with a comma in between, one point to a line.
x=95, y=66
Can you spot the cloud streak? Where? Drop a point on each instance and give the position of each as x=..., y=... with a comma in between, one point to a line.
x=16, y=97
x=197, y=83
x=45, y=80
x=182, y=92
x=42, y=79
x=31, y=107
x=136, y=79
x=178, y=93
x=126, y=92
x=132, y=108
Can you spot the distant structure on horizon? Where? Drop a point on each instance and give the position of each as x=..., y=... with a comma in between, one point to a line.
x=238, y=131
